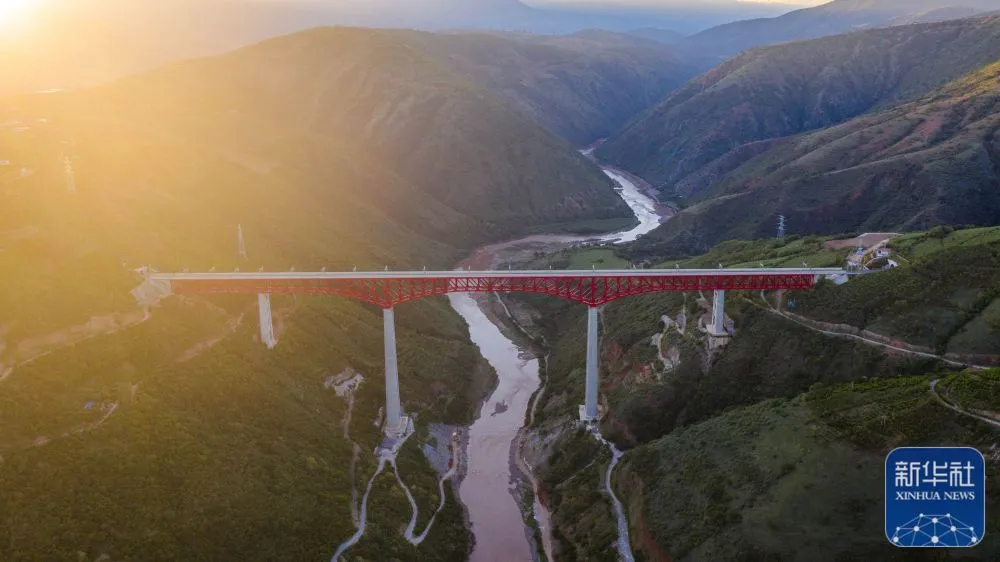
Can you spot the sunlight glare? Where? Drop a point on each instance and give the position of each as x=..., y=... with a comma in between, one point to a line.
x=12, y=10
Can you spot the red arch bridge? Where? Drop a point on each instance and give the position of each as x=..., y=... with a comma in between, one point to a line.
x=386, y=289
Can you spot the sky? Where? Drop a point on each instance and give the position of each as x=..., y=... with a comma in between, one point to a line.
x=15, y=13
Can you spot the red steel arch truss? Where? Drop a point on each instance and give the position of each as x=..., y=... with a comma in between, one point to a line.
x=592, y=290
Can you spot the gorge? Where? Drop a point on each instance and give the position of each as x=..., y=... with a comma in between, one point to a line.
x=497, y=521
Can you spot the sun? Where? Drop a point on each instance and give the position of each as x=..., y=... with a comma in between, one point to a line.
x=12, y=10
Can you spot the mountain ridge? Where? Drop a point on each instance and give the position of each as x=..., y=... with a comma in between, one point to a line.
x=581, y=86
x=832, y=18
x=914, y=166
x=779, y=91
x=78, y=43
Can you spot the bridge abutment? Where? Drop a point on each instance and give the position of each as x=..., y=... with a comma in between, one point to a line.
x=266, y=322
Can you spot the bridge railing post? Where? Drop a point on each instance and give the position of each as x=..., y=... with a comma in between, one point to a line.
x=593, y=358
x=266, y=322
x=392, y=404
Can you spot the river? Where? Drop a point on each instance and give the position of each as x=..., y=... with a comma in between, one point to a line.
x=488, y=488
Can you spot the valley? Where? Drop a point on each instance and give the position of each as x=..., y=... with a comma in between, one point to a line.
x=494, y=454
x=141, y=425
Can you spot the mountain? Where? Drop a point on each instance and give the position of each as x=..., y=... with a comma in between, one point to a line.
x=838, y=16
x=939, y=14
x=438, y=129
x=174, y=434
x=668, y=36
x=581, y=86
x=774, y=92
x=920, y=164
x=74, y=43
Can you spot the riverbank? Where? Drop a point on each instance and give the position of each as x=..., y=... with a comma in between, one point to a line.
x=665, y=211
x=494, y=514
x=501, y=492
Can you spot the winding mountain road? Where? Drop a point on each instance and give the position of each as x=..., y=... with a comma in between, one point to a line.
x=408, y=532
x=865, y=340
x=947, y=404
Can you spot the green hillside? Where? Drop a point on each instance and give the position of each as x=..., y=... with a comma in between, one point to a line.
x=237, y=453
x=798, y=479
x=947, y=298
x=744, y=401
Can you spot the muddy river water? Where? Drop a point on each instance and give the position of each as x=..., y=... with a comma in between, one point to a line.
x=487, y=490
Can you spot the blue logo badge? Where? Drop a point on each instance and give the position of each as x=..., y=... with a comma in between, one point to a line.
x=935, y=497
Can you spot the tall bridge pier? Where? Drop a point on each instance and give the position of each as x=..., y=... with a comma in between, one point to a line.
x=393, y=409
x=386, y=289
x=266, y=322
x=593, y=363
x=718, y=326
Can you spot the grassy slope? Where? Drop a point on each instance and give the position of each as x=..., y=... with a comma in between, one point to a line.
x=800, y=479
x=944, y=299
x=770, y=358
x=643, y=409
x=237, y=454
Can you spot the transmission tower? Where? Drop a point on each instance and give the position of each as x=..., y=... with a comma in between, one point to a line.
x=242, y=247
x=781, y=226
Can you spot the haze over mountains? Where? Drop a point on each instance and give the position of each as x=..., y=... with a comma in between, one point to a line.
x=837, y=16
x=69, y=43
x=78, y=43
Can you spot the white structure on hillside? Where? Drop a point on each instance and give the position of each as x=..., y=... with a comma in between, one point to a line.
x=241, y=246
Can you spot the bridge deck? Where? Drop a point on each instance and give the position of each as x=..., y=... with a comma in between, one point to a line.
x=493, y=274
x=591, y=287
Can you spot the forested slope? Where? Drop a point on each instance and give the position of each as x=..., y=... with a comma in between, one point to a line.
x=723, y=439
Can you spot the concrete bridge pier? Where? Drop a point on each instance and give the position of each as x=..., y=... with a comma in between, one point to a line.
x=393, y=416
x=266, y=323
x=718, y=326
x=589, y=412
